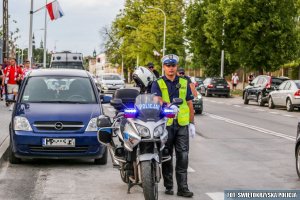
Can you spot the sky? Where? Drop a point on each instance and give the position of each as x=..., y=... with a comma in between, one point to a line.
x=78, y=30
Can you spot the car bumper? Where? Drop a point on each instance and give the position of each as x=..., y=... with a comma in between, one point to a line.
x=198, y=104
x=111, y=90
x=29, y=145
x=218, y=91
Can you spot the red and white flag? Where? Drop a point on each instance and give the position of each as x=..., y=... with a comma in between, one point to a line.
x=54, y=10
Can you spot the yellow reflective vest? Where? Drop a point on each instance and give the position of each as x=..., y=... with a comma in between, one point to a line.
x=183, y=116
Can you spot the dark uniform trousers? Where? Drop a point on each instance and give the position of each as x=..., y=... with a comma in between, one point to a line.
x=178, y=137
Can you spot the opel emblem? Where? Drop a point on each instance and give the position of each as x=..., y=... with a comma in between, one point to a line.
x=58, y=126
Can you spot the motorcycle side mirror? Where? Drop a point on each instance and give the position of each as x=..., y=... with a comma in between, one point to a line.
x=177, y=101
x=105, y=132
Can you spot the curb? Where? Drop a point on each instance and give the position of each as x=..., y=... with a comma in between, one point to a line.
x=4, y=150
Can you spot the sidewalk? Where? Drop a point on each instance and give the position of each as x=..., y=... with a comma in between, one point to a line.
x=5, y=116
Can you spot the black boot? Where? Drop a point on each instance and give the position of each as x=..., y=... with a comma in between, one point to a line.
x=169, y=191
x=185, y=193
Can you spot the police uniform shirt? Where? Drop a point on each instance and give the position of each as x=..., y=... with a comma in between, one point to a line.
x=173, y=89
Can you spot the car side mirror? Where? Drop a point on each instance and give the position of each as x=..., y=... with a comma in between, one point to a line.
x=105, y=99
x=177, y=101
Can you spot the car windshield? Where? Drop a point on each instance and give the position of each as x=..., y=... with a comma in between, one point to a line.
x=67, y=65
x=148, y=107
x=218, y=81
x=58, y=90
x=111, y=77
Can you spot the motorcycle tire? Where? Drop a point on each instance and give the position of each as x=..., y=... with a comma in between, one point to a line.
x=150, y=187
x=123, y=174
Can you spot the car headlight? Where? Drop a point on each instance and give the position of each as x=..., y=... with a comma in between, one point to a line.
x=21, y=124
x=158, y=131
x=92, y=126
x=199, y=96
x=143, y=131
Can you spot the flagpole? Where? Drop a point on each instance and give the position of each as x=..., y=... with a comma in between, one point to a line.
x=30, y=34
x=45, y=38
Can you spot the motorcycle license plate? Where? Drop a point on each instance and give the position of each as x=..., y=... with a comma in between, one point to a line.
x=58, y=142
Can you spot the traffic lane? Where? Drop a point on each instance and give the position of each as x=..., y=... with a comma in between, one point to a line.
x=253, y=115
x=226, y=156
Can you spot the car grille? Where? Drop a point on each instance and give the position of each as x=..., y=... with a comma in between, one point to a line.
x=58, y=125
x=81, y=149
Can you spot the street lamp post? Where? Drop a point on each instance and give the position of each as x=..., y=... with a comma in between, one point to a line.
x=137, y=31
x=222, y=53
x=165, y=29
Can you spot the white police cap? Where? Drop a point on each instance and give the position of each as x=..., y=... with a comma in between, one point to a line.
x=170, y=59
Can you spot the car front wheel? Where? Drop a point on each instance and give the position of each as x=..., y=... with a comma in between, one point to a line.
x=246, y=100
x=103, y=159
x=271, y=103
x=11, y=156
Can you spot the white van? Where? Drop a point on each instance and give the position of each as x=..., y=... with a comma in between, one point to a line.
x=67, y=60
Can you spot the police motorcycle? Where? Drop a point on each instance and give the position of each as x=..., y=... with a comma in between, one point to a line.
x=141, y=129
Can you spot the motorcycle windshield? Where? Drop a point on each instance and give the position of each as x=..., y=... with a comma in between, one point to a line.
x=148, y=107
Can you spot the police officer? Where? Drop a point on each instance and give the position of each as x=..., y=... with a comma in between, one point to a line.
x=167, y=88
x=181, y=73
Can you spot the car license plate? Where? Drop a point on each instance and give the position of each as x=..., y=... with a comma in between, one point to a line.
x=220, y=86
x=58, y=142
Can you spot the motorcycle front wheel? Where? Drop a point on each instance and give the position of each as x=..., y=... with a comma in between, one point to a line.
x=150, y=187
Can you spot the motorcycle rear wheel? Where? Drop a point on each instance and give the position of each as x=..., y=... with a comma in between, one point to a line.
x=150, y=187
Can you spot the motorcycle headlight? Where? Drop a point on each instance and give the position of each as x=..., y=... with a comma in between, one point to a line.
x=21, y=124
x=92, y=126
x=143, y=131
x=158, y=131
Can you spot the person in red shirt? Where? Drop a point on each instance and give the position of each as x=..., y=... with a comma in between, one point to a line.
x=12, y=75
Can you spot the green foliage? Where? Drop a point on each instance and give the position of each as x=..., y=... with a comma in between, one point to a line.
x=259, y=35
x=146, y=36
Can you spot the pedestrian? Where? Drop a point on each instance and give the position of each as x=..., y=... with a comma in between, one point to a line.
x=1, y=78
x=151, y=68
x=12, y=75
x=250, y=78
x=167, y=88
x=235, y=81
x=5, y=63
x=26, y=69
x=181, y=73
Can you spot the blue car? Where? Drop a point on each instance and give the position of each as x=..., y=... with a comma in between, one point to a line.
x=55, y=116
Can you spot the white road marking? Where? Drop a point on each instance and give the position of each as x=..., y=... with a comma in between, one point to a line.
x=249, y=108
x=274, y=113
x=238, y=106
x=216, y=195
x=260, y=109
x=190, y=170
x=220, y=102
x=288, y=115
x=262, y=130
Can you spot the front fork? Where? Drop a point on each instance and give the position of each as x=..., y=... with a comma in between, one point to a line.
x=155, y=158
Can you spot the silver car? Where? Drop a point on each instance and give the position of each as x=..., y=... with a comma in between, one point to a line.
x=287, y=94
x=109, y=83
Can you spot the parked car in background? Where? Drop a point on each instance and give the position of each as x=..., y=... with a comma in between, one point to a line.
x=110, y=82
x=287, y=94
x=198, y=84
x=198, y=103
x=258, y=90
x=55, y=116
x=66, y=60
x=216, y=86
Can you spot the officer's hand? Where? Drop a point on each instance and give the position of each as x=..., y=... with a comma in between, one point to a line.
x=192, y=130
x=175, y=109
